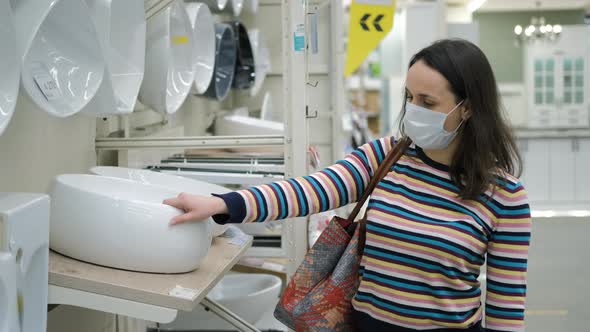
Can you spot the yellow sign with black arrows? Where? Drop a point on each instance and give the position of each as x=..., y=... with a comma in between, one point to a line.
x=370, y=22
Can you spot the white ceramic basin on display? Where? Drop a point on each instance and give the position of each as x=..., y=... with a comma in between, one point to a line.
x=169, y=69
x=225, y=62
x=262, y=64
x=235, y=7
x=9, y=66
x=215, y=6
x=176, y=183
x=62, y=61
x=121, y=28
x=247, y=295
x=204, y=46
x=251, y=6
x=230, y=125
x=266, y=112
x=123, y=224
x=231, y=7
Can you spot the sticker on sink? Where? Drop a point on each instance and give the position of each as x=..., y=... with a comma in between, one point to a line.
x=183, y=293
x=45, y=82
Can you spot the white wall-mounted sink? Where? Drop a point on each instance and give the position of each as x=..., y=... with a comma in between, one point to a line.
x=215, y=6
x=62, y=62
x=175, y=183
x=121, y=29
x=235, y=7
x=245, y=125
x=123, y=224
x=169, y=69
x=231, y=7
x=247, y=295
x=9, y=66
x=204, y=46
x=262, y=65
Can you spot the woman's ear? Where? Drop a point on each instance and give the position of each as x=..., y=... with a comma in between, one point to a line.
x=466, y=111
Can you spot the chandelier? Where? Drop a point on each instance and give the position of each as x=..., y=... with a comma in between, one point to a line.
x=537, y=30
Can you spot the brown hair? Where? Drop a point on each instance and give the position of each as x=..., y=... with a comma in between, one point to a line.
x=487, y=147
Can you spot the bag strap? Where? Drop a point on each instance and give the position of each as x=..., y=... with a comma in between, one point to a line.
x=392, y=157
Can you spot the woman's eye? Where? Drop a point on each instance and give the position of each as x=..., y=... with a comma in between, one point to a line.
x=427, y=104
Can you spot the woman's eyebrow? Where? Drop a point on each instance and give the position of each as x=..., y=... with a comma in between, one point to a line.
x=425, y=95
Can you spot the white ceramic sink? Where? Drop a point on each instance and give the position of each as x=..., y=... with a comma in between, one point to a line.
x=121, y=28
x=251, y=6
x=245, y=125
x=247, y=295
x=216, y=6
x=261, y=60
x=9, y=66
x=123, y=224
x=204, y=46
x=62, y=62
x=176, y=183
x=267, y=109
x=235, y=7
x=169, y=69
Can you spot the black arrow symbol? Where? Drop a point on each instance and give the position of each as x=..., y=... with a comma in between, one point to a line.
x=376, y=22
x=363, y=22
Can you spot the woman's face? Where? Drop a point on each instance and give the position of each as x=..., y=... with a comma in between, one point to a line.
x=426, y=87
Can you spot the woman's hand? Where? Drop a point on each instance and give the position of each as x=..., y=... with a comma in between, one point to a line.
x=196, y=207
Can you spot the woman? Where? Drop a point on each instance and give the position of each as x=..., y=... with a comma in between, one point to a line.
x=450, y=201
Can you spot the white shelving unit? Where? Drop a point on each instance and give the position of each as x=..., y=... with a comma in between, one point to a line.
x=301, y=84
x=37, y=147
x=557, y=80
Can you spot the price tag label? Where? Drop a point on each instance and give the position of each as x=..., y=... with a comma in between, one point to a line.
x=183, y=293
x=237, y=236
x=45, y=82
x=299, y=38
x=240, y=240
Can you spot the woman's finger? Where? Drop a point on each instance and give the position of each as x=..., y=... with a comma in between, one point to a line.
x=182, y=218
x=175, y=202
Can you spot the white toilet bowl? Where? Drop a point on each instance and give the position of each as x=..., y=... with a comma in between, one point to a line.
x=247, y=295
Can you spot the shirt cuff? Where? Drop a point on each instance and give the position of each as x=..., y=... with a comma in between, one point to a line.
x=236, y=207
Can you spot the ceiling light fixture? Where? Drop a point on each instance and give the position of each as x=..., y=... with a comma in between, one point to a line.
x=537, y=30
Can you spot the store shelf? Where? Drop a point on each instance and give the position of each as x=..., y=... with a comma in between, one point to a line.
x=188, y=142
x=147, y=289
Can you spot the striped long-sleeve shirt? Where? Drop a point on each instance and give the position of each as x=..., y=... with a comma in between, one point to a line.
x=425, y=246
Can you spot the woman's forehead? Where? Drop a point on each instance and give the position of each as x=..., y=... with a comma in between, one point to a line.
x=422, y=79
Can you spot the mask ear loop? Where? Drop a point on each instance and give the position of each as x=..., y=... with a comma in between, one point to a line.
x=462, y=120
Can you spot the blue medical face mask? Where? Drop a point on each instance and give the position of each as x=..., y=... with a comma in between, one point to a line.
x=426, y=127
